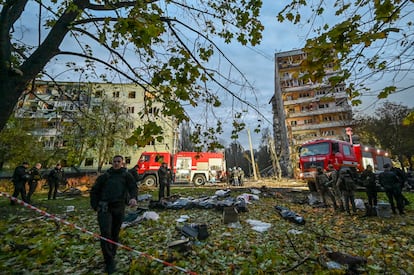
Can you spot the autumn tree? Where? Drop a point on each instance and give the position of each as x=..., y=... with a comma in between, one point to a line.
x=17, y=145
x=101, y=129
x=166, y=47
x=371, y=41
x=386, y=129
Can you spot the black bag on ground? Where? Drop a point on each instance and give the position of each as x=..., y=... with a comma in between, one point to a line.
x=198, y=231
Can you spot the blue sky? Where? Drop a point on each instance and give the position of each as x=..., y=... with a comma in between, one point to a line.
x=257, y=64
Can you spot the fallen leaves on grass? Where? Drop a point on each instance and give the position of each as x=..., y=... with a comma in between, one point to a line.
x=36, y=245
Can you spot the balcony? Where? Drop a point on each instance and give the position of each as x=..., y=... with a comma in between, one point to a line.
x=330, y=110
x=321, y=125
x=45, y=132
x=316, y=98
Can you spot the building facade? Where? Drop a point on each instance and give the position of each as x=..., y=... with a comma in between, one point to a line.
x=304, y=110
x=54, y=107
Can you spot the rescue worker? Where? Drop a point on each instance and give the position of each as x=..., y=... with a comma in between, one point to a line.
x=346, y=185
x=402, y=178
x=54, y=179
x=389, y=181
x=162, y=180
x=240, y=176
x=19, y=178
x=322, y=188
x=111, y=191
x=369, y=182
x=133, y=171
x=333, y=187
x=35, y=176
x=235, y=176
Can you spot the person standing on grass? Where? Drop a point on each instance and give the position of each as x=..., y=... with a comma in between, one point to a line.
x=369, y=181
x=389, y=181
x=346, y=185
x=54, y=179
x=19, y=178
x=322, y=181
x=162, y=180
x=108, y=196
x=333, y=187
x=35, y=176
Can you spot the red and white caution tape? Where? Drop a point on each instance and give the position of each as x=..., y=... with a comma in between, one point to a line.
x=65, y=222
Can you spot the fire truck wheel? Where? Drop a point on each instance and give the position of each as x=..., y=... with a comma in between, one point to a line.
x=150, y=181
x=199, y=180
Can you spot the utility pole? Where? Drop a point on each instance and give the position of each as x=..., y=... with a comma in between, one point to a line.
x=252, y=155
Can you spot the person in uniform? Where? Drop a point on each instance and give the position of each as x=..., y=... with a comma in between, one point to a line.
x=108, y=196
x=35, y=176
x=390, y=182
x=19, y=178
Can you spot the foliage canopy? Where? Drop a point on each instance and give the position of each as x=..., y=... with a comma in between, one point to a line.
x=166, y=47
x=372, y=40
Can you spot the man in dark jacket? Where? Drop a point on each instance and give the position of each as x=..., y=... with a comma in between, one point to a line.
x=402, y=179
x=163, y=180
x=108, y=197
x=346, y=185
x=35, y=176
x=369, y=181
x=55, y=177
x=389, y=181
x=20, y=177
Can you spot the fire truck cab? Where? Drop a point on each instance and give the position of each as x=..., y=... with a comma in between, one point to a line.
x=196, y=167
x=341, y=154
x=323, y=152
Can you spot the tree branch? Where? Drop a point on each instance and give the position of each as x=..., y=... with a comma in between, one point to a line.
x=10, y=12
x=206, y=71
x=106, y=64
x=50, y=46
x=115, y=53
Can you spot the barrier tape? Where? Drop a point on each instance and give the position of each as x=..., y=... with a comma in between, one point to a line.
x=65, y=222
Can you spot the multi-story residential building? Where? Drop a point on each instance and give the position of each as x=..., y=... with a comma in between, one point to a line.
x=304, y=110
x=53, y=107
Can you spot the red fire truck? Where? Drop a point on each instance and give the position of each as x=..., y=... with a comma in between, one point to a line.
x=340, y=154
x=195, y=167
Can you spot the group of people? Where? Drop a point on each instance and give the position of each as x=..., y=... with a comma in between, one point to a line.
x=340, y=188
x=236, y=176
x=23, y=176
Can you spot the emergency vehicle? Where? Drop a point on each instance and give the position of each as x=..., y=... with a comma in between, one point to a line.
x=188, y=167
x=340, y=154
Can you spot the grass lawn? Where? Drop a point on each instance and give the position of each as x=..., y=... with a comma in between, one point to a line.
x=34, y=244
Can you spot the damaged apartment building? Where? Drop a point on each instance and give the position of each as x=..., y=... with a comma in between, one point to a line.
x=55, y=108
x=303, y=110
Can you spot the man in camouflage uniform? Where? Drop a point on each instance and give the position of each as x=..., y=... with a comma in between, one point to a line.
x=346, y=185
x=333, y=187
x=323, y=189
